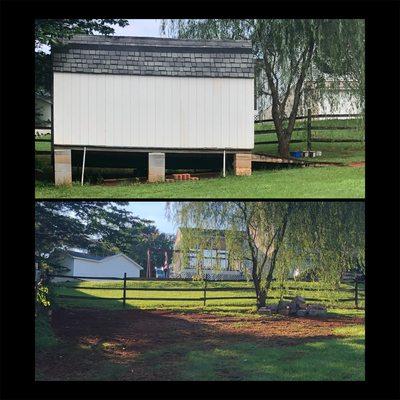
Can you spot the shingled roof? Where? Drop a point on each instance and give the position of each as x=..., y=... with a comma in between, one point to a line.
x=154, y=56
x=86, y=255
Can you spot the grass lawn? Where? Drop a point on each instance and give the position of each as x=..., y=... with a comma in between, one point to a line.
x=309, y=182
x=338, y=359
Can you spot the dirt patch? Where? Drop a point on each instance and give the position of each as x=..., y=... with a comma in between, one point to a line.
x=122, y=337
x=357, y=164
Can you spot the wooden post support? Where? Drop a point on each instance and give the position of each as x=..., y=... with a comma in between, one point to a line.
x=124, y=292
x=309, y=129
x=205, y=291
x=356, y=292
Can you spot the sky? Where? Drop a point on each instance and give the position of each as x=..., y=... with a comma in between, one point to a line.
x=154, y=211
x=140, y=27
x=136, y=27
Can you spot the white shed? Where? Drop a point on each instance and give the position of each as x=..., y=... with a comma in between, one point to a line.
x=92, y=266
x=153, y=96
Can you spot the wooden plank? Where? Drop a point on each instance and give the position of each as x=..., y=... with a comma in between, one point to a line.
x=267, y=131
x=167, y=289
x=64, y=296
x=232, y=298
x=276, y=142
x=327, y=116
x=258, y=157
x=43, y=140
x=334, y=128
x=321, y=140
x=86, y=277
x=166, y=298
x=89, y=287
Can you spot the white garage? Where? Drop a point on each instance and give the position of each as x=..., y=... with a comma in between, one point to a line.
x=92, y=266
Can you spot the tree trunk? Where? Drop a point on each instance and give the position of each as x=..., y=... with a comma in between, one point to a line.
x=261, y=298
x=283, y=144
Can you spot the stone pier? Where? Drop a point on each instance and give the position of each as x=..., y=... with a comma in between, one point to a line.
x=62, y=167
x=242, y=163
x=156, y=167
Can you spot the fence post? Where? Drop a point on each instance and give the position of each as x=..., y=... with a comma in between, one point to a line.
x=205, y=291
x=356, y=292
x=124, y=292
x=309, y=129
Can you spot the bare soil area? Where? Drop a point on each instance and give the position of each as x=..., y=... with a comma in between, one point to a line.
x=123, y=337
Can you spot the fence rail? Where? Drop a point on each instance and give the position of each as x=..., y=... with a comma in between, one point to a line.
x=322, y=116
x=358, y=292
x=309, y=128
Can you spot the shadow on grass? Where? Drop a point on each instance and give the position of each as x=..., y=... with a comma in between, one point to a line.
x=134, y=344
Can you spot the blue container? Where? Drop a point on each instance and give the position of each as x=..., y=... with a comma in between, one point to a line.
x=296, y=154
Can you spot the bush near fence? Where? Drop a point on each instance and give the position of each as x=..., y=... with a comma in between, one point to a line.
x=187, y=293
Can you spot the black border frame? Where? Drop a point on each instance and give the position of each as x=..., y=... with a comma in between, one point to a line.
x=382, y=201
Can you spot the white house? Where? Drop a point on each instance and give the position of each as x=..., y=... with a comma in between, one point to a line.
x=91, y=266
x=153, y=97
x=213, y=260
x=335, y=98
x=43, y=119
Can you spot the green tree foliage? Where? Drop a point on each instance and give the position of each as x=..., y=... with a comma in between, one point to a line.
x=50, y=32
x=278, y=236
x=102, y=228
x=289, y=53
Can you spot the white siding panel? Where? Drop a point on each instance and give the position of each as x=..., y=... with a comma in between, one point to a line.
x=109, y=267
x=159, y=112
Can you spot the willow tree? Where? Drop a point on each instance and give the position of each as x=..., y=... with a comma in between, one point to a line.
x=289, y=53
x=276, y=236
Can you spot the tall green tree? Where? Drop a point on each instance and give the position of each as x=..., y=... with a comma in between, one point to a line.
x=289, y=53
x=51, y=31
x=276, y=236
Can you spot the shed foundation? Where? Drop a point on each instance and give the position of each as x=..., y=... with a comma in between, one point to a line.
x=156, y=167
x=242, y=163
x=62, y=167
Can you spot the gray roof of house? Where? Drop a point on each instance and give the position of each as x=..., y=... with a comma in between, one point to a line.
x=155, y=56
x=86, y=255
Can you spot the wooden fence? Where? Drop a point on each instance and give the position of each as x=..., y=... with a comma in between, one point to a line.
x=309, y=127
x=204, y=289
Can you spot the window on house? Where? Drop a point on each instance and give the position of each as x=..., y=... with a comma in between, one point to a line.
x=222, y=259
x=193, y=259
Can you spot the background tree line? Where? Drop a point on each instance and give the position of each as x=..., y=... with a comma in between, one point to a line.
x=101, y=228
x=325, y=238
